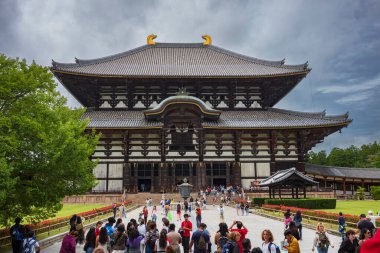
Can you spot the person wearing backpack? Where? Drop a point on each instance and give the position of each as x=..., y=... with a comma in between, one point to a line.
x=221, y=237
x=16, y=235
x=242, y=230
x=151, y=236
x=321, y=240
x=268, y=246
x=200, y=239
x=231, y=245
x=29, y=244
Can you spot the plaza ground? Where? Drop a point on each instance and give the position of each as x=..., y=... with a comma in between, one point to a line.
x=254, y=223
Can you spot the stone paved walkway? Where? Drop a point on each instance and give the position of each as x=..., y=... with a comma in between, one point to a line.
x=254, y=223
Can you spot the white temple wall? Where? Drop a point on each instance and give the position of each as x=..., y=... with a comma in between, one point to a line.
x=115, y=185
x=263, y=169
x=101, y=186
x=100, y=171
x=115, y=170
x=247, y=169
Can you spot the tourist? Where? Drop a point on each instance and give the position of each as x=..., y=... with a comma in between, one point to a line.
x=69, y=242
x=221, y=212
x=102, y=240
x=122, y=211
x=162, y=242
x=29, y=244
x=198, y=216
x=342, y=226
x=114, y=208
x=89, y=245
x=179, y=211
x=365, y=235
x=134, y=240
x=246, y=245
x=321, y=240
x=287, y=218
x=145, y=214
x=186, y=206
x=372, y=218
x=174, y=238
x=119, y=239
x=142, y=228
x=200, y=240
x=237, y=208
x=364, y=223
x=221, y=237
x=372, y=245
x=170, y=249
x=350, y=244
x=297, y=218
x=118, y=222
x=267, y=246
x=292, y=227
x=293, y=246
x=16, y=236
x=242, y=230
x=81, y=231
x=242, y=206
x=246, y=208
x=165, y=224
x=154, y=214
x=187, y=227
x=98, y=225
x=151, y=237
x=232, y=245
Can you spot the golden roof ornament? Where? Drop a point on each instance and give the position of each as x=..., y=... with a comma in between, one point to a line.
x=207, y=39
x=182, y=92
x=150, y=38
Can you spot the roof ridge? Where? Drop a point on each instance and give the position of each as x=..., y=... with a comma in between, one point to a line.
x=298, y=113
x=339, y=167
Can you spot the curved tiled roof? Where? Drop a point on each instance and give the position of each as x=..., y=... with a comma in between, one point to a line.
x=208, y=112
x=282, y=176
x=342, y=172
x=270, y=118
x=179, y=60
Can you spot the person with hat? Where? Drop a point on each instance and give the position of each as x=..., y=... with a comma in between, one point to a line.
x=372, y=218
x=119, y=239
x=186, y=227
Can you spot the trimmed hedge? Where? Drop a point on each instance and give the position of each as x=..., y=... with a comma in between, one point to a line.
x=258, y=201
x=304, y=203
x=375, y=191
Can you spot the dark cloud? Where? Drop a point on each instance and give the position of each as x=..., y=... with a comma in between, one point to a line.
x=341, y=41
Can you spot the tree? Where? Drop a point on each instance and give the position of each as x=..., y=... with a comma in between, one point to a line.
x=318, y=158
x=44, y=151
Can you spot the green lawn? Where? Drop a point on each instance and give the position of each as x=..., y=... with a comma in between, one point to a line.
x=70, y=209
x=355, y=207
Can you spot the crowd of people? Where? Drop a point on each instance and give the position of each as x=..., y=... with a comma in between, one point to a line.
x=141, y=233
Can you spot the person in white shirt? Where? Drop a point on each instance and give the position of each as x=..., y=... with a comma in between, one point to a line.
x=267, y=246
x=372, y=218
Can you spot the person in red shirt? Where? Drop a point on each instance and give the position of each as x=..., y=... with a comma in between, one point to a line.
x=145, y=213
x=198, y=216
x=242, y=230
x=97, y=228
x=186, y=227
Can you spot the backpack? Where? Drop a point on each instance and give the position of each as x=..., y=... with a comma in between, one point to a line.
x=16, y=233
x=323, y=241
x=202, y=245
x=28, y=245
x=152, y=238
x=222, y=241
x=276, y=247
x=228, y=247
x=110, y=229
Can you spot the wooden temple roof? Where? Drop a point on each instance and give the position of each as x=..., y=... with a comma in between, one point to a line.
x=185, y=60
x=270, y=118
x=342, y=172
x=288, y=177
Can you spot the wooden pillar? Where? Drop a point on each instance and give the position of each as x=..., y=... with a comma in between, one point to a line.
x=325, y=181
x=304, y=192
x=228, y=174
x=237, y=174
x=362, y=182
x=279, y=192
x=292, y=193
x=127, y=177
x=297, y=192
x=272, y=147
x=270, y=192
x=344, y=185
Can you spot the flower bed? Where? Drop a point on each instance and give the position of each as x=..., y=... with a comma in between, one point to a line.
x=56, y=221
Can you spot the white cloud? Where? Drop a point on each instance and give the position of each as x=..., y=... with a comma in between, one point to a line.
x=353, y=87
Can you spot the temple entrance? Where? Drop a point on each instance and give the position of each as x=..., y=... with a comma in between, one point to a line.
x=219, y=182
x=144, y=185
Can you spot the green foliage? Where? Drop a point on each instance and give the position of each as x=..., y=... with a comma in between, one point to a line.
x=304, y=203
x=360, y=193
x=367, y=156
x=258, y=201
x=375, y=192
x=44, y=153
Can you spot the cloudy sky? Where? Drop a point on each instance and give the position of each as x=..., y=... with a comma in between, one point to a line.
x=340, y=39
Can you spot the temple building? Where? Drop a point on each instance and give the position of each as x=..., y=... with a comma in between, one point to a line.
x=168, y=111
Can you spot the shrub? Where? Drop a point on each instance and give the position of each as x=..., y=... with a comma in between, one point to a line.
x=375, y=192
x=304, y=203
x=258, y=201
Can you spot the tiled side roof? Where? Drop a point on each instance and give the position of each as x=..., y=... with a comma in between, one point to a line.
x=270, y=118
x=179, y=60
x=333, y=171
x=283, y=175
